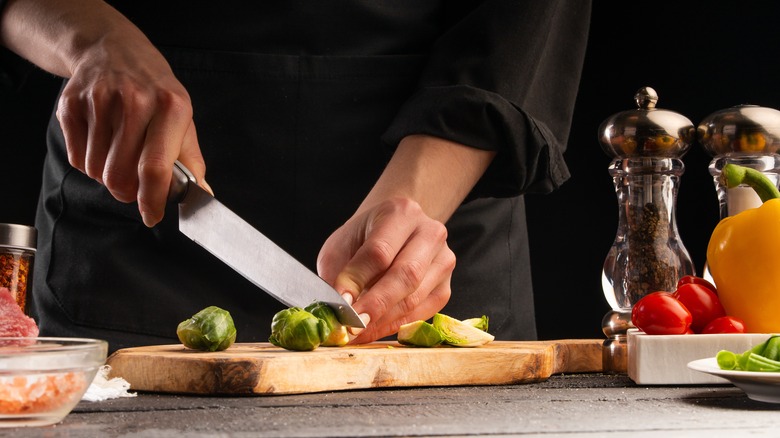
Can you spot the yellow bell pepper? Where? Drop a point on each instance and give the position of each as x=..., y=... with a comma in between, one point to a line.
x=744, y=255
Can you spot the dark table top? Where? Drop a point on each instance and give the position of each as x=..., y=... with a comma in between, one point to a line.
x=564, y=405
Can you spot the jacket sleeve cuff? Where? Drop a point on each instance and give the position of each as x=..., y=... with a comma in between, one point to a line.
x=529, y=158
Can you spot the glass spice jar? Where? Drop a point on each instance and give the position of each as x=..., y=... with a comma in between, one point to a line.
x=17, y=254
x=646, y=145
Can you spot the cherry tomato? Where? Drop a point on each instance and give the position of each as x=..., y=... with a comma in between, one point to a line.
x=697, y=280
x=703, y=304
x=659, y=313
x=725, y=324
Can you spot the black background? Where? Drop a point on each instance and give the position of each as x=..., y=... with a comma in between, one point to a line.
x=700, y=57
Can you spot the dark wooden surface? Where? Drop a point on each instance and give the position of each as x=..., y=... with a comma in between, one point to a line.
x=595, y=405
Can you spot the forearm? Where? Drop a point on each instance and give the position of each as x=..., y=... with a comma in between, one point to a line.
x=436, y=173
x=53, y=34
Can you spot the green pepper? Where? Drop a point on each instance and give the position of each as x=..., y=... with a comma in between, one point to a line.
x=211, y=329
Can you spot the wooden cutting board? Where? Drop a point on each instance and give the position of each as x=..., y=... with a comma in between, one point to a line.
x=262, y=369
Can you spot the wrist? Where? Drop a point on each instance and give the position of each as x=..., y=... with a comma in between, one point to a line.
x=436, y=173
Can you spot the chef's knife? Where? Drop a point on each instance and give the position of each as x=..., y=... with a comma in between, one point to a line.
x=231, y=239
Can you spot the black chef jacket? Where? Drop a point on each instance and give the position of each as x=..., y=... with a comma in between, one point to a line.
x=298, y=106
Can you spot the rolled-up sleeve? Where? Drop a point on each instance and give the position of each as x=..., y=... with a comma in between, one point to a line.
x=504, y=78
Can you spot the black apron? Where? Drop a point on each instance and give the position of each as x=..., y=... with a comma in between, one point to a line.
x=292, y=145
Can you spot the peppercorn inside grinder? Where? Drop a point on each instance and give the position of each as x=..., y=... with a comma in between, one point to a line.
x=747, y=135
x=646, y=145
x=17, y=253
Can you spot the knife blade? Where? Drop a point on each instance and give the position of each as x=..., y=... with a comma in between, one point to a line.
x=235, y=242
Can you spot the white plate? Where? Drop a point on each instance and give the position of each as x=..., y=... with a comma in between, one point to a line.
x=760, y=386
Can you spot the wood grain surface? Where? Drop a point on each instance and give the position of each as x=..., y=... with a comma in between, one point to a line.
x=262, y=369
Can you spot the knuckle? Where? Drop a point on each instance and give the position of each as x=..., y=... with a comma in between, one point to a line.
x=153, y=167
x=380, y=252
x=448, y=260
x=409, y=304
x=438, y=230
x=121, y=184
x=380, y=305
x=175, y=102
x=411, y=274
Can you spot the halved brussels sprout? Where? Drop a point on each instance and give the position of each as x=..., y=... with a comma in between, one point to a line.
x=211, y=329
x=297, y=329
x=458, y=333
x=419, y=334
x=480, y=323
x=338, y=333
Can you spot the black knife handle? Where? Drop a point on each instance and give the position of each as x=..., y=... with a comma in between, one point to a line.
x=180, y=182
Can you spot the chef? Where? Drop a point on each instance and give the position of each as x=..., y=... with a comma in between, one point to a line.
x=387, y=145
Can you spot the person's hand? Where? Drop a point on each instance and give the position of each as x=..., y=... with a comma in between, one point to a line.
x=126, y=119
x=393, y=262
x=124, y=115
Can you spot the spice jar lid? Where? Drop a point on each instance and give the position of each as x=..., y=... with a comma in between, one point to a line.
x=741, y=129
x=18, y=236
x=646, y=131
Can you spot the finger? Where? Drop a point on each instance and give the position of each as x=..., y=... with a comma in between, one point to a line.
x=99, y=132
x=74, y=128
x=421, y=305
x=386, y=234
x=407, y=271
x=164, y=140
x=130, y=120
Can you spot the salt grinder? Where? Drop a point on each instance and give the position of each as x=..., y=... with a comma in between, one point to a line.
x=646, y=146
x=747, y=135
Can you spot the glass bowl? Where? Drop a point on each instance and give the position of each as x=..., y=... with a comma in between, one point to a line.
x=42, y=379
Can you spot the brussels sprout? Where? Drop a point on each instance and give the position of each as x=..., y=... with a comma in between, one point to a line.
x=338, y=333
x=211, y=329
x=480, y=323
x=458, y=333
x=419, y=334
x=297, y=329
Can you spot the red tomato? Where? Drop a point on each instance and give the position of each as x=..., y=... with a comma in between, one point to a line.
x=725, y=324
x=703, y=304
x=697, y=280
x=659, y=313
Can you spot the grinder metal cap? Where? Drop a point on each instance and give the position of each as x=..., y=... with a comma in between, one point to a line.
x=18, y=237
x=741, y=130
x=646, y=131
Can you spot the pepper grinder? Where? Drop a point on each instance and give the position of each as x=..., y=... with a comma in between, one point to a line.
x=646, y=145
x=747, y=135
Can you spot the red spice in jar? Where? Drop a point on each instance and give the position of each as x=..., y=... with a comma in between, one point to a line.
x=14, y=272
x=17, y=252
